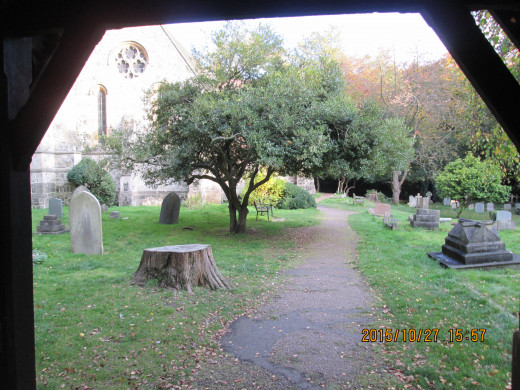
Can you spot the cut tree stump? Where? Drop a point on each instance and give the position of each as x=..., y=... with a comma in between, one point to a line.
x=180, y=266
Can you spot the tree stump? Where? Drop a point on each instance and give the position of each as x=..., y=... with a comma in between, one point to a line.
x=180, y=266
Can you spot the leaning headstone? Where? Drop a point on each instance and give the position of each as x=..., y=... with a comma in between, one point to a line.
x=170, y=209
x=490, y=207
x=447, y=201
x=507, y=206
x=56, y=207
x=479, y=207
x=86, y=234
x=474, y=244
x=425, y=218
x=412, y=201
x=104, y=208
x=50, y=225
x=504, y=221
x=80, y=189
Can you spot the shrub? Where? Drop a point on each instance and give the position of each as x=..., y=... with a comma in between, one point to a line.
x=296, y=198
x=270, y=192
x=90, y=174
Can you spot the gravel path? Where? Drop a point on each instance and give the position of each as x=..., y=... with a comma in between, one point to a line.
x=309, y=336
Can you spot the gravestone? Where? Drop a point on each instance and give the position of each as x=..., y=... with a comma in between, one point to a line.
x=50, y=225
x=79, y=189
x=389, y=221
x=380, y=209
x=517, y=206
x=479, y=207
x=507, y=206
x=425, y=218
x=471, y=206
x=170, y=209
x=504, y=221
x=490, y=207
x=115, y=215
x=412, y=201
x=86, y=234
x=447, y=201
x=423, y=203
x=474, y=244
x=56, y=207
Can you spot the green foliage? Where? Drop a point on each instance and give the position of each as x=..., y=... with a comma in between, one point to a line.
x=270, y=192
x=296, y=198
x=252, y=107
x=90, y=174
x=471, y=180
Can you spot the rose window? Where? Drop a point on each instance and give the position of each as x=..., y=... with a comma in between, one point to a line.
x=131, y=60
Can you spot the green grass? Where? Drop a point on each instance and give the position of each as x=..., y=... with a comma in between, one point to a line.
x=415, y=292
x=95, y=330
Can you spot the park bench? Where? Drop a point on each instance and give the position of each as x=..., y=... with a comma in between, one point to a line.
x=263, y=208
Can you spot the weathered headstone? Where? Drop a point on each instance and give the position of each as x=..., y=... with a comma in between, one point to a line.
x=170, y=209
x=115, y=215
x=479, y=207
x=447, y=201
x=412, y=201
x=56, y=207
x=380, y=209
x=423, y=203
x=471, y=206
x=50, y=225
x=426, y=218
x=473, y=244
x=79, y=189
x=507, y=206
x=504, y=221
x=517, y=206
x=490, y=206
x=104, y=208
x=86, y=234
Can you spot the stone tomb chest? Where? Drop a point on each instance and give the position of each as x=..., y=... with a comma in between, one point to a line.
x=474, y=244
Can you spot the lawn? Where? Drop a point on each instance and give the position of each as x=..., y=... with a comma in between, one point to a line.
x=415, y=292
x=95, y=330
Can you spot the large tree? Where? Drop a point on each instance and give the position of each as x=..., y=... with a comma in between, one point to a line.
x=251, y=108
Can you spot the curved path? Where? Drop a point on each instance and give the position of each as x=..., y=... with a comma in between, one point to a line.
x=309, y=336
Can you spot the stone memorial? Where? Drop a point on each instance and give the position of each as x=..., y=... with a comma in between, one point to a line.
x=412, y=201
x=474, y=244
x=423, y=203
x=115, y=215
x=479, y=207
x=170, y=209
x=51, y=225
x=504, y=221
x=56, y=207
x=490, y=207
x=517, y=206
x=471, y=206
x=86, y=234
x=380, y=209
x=447, y=201
x=507, y=206
x=425, y=218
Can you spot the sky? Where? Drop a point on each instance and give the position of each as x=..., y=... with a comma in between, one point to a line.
x=407, y=35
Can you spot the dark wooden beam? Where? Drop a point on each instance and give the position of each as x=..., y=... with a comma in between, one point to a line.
x=457, y=29
x=47, y=94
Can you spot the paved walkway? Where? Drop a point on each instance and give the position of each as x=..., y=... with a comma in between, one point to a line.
x=308, y=337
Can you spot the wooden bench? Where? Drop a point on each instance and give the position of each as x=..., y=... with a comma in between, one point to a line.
x=263, y=208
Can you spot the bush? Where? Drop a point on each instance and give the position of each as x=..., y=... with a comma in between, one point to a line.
x=296, y=198
x=90, y=174
x=270, y=192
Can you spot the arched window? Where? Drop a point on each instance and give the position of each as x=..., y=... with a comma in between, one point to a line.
x=102, y=113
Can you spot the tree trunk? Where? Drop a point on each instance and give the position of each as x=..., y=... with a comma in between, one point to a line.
x=237, y=225
x=396, y=185
x=180, y=266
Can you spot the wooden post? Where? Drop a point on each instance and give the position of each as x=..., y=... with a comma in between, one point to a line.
x=180, y=266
